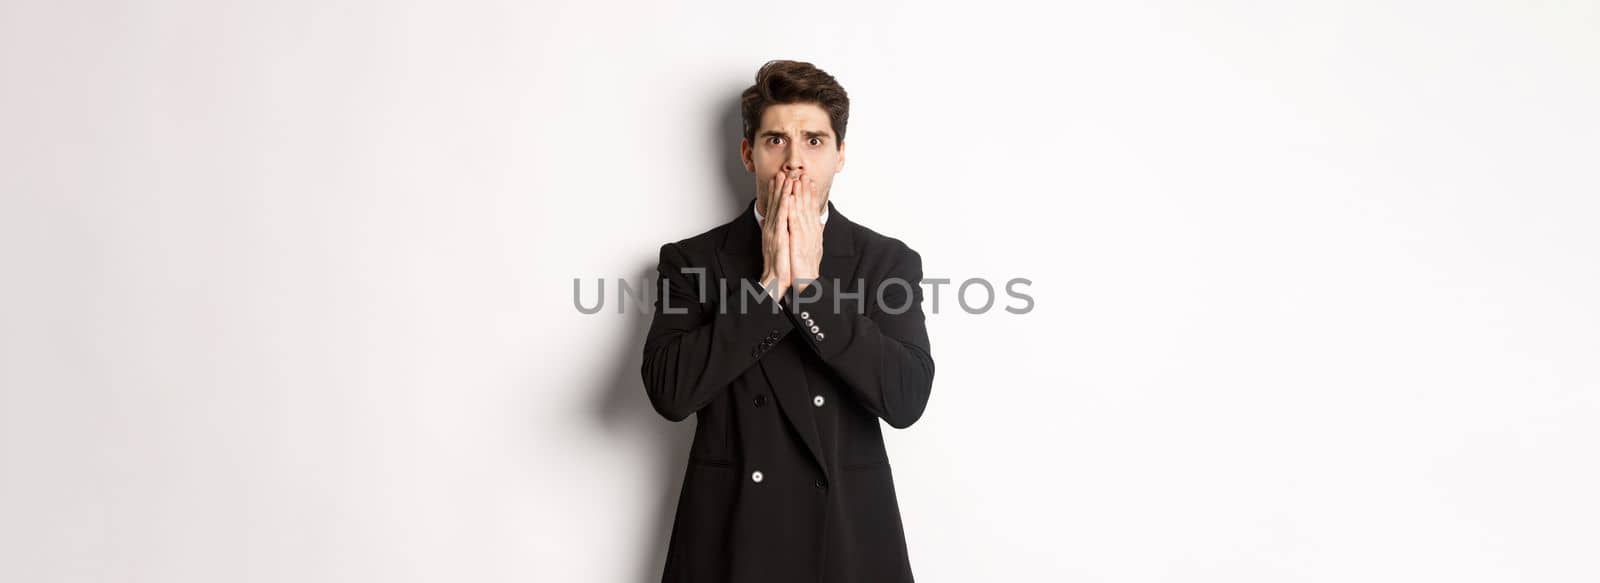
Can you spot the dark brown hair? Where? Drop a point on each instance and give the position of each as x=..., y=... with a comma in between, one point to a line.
x=785, y=82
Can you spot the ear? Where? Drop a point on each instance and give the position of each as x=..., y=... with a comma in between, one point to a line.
x=840, y=167
x=744, y=155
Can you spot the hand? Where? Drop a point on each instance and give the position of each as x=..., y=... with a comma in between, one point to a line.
x=776, y=274
x=805, y=234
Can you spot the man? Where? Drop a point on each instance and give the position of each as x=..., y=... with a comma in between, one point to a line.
x=789, y=332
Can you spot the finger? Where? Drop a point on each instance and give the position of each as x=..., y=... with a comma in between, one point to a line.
x=772, y=186
x=795, y=224
x=811, y=201
x=788, y=197
x=775, y=198
x=800, y=206
x=772, y=195
x=766, y=206
x=812, y=212
x=781, y=217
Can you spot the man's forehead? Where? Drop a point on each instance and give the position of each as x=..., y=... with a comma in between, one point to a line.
x=794, y=117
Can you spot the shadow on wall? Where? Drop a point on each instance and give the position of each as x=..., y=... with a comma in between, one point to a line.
x=739, y=184
x=622, y=409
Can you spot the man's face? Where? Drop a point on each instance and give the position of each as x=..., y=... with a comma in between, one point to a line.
x=797, y=139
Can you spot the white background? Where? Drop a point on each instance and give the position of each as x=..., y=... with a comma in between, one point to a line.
x=287, y=286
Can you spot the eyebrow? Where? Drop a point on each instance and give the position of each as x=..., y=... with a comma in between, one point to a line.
x=776, y=133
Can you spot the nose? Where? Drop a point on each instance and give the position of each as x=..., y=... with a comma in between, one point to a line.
x=794, y=164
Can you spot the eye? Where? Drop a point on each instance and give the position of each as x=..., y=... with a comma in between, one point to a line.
x=773, y=140
x=816, y=141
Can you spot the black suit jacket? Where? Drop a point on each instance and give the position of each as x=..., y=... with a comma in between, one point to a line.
x=787, y=477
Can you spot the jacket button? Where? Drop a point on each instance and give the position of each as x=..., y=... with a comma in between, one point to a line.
x=805, y=315
x=761, y=400
x=819, y=336
x=815, y=329
x=819, y=485
x=756, y=476
x=817, y=400
x=810, y=322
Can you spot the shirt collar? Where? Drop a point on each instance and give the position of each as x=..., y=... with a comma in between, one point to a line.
x=757, y=211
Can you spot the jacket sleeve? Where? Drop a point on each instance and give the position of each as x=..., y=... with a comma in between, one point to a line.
x=882, y=355
x=697, y=345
